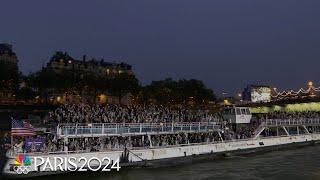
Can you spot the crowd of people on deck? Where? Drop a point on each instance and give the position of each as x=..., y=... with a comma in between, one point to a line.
x=92, y=144
x=85, y=113
x=112, y=113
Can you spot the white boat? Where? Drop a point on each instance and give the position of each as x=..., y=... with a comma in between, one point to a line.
x=290, y=132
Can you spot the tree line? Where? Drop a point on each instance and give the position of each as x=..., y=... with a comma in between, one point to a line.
x=162, y=91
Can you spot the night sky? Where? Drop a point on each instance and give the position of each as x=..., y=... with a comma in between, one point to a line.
x=225, y=43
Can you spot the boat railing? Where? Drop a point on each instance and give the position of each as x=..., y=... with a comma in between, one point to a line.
x=131, y=128
x=291, y=122
x=12, y=154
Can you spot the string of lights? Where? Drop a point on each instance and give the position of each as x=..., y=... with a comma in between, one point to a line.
x=311, y=90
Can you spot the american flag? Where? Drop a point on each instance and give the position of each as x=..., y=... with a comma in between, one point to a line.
x=21, y=128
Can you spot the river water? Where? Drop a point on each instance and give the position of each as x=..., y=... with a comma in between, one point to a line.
x=293, y=164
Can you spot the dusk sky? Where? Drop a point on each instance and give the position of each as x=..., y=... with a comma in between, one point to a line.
x=226, y=43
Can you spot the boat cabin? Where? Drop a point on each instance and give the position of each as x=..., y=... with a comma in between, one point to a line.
x=237, y=115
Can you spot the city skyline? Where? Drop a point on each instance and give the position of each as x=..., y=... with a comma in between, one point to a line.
x=226, y=47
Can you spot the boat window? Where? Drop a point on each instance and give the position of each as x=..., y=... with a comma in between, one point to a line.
x=229, y=111
x=248, y=111
x=232, y=111
x=238, y=111
x=243, y=111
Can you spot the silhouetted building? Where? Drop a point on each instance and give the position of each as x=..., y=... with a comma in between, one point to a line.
x=9, y=73
x=7, y=56
x=62, y=61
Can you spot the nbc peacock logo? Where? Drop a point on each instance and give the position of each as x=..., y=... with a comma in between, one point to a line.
x=21, y=164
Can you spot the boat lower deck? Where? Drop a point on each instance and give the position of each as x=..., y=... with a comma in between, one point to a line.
x=166, y=156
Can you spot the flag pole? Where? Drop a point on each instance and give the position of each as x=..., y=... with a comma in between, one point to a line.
x=11, y=136
x=11, y=141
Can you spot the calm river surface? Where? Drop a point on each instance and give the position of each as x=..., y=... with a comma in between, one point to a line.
x=302, y=163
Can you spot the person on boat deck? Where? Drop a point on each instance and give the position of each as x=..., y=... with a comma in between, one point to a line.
x=6, y=141
x=19, y=147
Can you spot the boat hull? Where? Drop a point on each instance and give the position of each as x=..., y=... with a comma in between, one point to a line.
x=167, y=156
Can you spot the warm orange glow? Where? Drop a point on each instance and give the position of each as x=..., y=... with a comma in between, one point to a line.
x=102, y=98
x=226, y=102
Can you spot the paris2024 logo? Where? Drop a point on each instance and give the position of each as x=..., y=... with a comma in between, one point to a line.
x=22, y=164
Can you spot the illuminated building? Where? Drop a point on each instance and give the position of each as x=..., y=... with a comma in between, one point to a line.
x=62, y=61
x=257, y=93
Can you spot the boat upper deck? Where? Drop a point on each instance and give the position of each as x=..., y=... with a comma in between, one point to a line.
x=117, y=129
x=122, y=129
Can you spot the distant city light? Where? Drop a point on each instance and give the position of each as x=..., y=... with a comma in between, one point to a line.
x=226, y=102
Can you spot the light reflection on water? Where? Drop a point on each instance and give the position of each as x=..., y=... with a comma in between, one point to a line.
x=294, y=164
